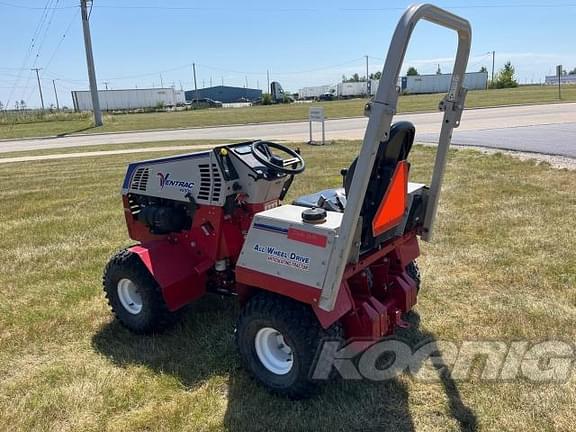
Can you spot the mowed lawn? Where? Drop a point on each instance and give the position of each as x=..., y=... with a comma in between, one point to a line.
x=82, y=123
x=502, y=267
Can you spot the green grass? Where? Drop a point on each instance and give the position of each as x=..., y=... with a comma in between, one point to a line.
x=259, y=114
x=502, y=267
x=107, y=147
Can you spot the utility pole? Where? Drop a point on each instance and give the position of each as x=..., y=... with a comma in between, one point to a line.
x=39, y=86
x=161, y=81
x=493, y=61
x=210, y=81
x=367, y=79
x=90, y=64
x=268, y=77
x=222, y=81
x=106, y=84
x=56, y=95
x=195, y=85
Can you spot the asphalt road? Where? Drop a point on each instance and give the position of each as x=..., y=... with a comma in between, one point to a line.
x=554, y=139
x=549, y=129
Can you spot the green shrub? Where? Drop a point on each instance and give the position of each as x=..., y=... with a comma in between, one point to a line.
x=266, y=99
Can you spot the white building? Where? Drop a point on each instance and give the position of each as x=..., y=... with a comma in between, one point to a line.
x=129, y=99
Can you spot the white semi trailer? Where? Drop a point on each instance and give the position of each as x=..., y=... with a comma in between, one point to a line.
x=440, y=83
x=357, y=89
x=316, y=91
x=129, y=99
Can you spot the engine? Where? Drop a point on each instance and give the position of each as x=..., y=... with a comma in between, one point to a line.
x=161, y=216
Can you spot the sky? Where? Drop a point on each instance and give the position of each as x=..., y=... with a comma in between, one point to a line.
x=148, y=43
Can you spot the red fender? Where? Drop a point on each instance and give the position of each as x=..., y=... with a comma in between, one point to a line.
x=179, y=273
x=303, y=293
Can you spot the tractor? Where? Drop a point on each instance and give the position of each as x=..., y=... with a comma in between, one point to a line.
x=335, y=264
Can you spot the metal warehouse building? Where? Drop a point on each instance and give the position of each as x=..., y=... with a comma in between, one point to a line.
x=225, y=94
x=128, y=99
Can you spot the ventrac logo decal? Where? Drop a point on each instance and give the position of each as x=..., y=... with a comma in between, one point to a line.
x=166, y=181
x=282, y=257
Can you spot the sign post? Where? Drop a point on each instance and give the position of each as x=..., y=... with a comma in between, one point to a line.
x=316, y=114
x=559, y=73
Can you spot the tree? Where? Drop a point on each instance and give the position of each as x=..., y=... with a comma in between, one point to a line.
x=1, y=106
x=572, y=72
x=353, y=78
x=376, y=76
x=22, y=105
x=505, y=77
x=412, y=71
x=483, y=69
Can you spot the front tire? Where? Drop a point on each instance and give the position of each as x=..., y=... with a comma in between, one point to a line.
x=134, y=295
x=278, y=338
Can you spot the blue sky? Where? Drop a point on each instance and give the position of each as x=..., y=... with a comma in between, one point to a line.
x=302, y=43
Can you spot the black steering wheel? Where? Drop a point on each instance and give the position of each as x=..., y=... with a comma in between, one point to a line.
x=293, y=165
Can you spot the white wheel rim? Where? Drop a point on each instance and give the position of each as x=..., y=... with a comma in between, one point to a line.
x=273, y=351
x=129, y=296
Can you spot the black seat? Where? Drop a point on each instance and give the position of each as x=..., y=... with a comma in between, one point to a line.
x=389, y=154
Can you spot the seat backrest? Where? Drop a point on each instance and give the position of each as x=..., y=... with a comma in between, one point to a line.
x=390, y=152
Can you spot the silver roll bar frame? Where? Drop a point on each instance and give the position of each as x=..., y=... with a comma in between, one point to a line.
x=378, y=129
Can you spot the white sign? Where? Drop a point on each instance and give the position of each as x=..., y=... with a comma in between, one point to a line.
x=316, y=114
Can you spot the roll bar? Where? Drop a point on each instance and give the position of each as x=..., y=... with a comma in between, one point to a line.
x=378, y=129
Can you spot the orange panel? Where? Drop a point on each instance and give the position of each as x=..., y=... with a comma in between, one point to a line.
x=393, y=204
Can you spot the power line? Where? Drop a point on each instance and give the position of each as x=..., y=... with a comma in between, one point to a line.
x=189, y=65
x=17, y=6
x=478, y=6
x=29, y=50
x=42, y=40
x=321, y=10
x=62, y=39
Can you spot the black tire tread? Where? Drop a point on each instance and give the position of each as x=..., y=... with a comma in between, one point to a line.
x=158, y=317
x=304, y=327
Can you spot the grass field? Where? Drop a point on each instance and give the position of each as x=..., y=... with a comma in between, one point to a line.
x=259, y=114
x=502, y=268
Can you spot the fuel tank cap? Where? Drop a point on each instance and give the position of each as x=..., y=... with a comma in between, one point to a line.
x=314, y=215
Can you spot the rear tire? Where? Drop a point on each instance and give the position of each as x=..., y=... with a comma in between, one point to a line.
x=134, y=295
x=278, y=339
x=414, y=272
